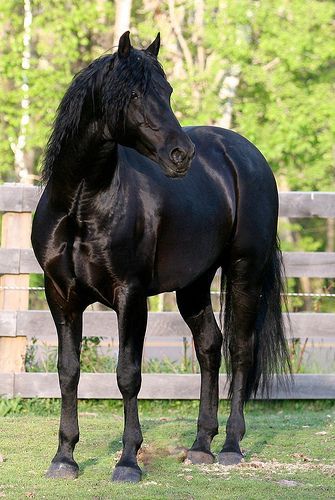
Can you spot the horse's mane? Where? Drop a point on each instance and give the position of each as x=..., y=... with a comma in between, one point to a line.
x=105, y=85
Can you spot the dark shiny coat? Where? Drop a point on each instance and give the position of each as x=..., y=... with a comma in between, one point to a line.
x=128, y=211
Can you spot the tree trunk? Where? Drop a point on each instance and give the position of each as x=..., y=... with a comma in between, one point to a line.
x=21, y=161
x=122, y=19
x=330, y=234
x=227, y=94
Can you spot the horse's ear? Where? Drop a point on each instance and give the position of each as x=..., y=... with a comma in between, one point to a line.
x=154, y=46
x=124, y=45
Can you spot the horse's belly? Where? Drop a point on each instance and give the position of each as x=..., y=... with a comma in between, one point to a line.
x=180, y=262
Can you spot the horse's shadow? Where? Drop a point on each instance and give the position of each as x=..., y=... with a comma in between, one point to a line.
x=88, y=463
x=115, y=445
x=186, y=436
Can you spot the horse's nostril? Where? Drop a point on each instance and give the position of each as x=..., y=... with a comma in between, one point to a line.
x=177, y=155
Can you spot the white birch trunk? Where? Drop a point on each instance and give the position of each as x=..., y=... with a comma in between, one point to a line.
x=122, y=19
x=18, y=148
x=227, y=94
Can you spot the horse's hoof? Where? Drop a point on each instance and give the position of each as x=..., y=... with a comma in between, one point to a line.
x=200, y=457
x=229, y=458
x=60, y=470
x=125, y=474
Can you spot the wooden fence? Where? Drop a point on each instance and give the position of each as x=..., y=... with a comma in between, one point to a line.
x=17, y=322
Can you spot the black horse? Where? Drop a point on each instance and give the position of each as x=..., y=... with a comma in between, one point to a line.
x=115, y=225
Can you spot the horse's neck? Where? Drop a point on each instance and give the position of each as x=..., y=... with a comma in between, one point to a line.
x=90, y=160
x=93, y=166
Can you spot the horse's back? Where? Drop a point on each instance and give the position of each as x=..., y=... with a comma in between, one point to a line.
x=219, y=147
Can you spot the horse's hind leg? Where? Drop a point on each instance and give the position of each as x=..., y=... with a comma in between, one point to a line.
x=195, y=306
x=244, y=290
x=68, y=320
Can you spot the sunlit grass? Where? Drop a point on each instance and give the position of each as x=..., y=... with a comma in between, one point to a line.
x=289, y=447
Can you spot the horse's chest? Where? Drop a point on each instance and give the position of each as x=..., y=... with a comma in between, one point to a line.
x=91, y=261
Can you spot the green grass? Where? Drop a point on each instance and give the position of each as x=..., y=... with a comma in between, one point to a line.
x=290, y=452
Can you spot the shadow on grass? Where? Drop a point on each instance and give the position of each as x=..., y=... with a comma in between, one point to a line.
x=88, y=463
x=166, y=436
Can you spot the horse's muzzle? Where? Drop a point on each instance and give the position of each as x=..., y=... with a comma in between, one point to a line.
x=180, y=161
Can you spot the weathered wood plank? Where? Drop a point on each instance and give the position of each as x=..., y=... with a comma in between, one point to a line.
x=33, y=385
x=7, y=385
x=297, y=264
x=30, y=198
x=308, y=386
x=18, y=198
x=312, y=325
x=15, y=228
x=9, y=261
x=103, y=323
x=306, y=204
x=39, y=324
x=8, y=322
x=28, y=262
x=12, y=354
x=11, y=198
x=311, y=264
x=163, y=386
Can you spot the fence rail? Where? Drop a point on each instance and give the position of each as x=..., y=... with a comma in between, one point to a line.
x=17, y=323
x=154, y=386
x=294, y=204
x=39, y=324
x=297, y=264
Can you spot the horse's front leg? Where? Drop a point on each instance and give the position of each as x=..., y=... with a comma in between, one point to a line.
x=69, y=329
x=131, y=309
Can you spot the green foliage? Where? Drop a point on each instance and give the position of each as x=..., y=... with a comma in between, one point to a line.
x=282, y=53
x=155, y=408
x=10, y=406
x=94, y=359
x=65, y=37
x=286, y=103
x=11, y=47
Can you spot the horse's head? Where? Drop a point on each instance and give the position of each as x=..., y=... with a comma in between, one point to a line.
x=147, y=122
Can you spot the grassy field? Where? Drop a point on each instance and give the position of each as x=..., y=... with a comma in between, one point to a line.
x=289, y=447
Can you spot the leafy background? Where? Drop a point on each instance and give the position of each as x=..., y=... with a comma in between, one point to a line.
x=263, y=68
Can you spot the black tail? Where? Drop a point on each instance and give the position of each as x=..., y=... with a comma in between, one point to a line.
x=271, y=355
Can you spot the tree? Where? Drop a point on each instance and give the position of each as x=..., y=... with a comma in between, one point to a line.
x=122, y=18
x=65, y=36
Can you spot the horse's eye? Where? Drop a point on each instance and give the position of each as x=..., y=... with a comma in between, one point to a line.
x=134, y=95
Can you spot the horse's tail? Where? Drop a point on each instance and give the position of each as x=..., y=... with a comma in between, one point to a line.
x=271, y=354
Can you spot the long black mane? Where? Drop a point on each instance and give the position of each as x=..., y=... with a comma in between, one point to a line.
x=99, y=92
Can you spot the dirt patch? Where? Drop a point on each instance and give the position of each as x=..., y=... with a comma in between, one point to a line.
x=271, y=467
x=148, y=454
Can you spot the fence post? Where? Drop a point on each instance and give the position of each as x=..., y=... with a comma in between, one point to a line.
x=15, y=233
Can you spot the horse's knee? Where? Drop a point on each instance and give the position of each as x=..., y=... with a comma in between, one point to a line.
x=129, y=380
x=69, y=373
